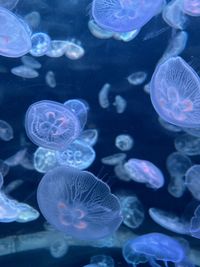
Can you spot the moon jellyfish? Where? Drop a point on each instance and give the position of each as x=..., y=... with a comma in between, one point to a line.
x=120, y=103
x=40, y=44
x=15, y=38
x=192, y=181
x=114, y=159
x=152, y=247
x=78, y=203
x=89, y=137
x=50, y=79
x=24, y=72
x=78, y=155
x=103, y=96
x=124, y=16
x=51, y=125
x=74, y=50
x=26, y=213
x=124, y=142
x=33, y=19
x=45, y=159
x=187, y=144
x=195, y=223
x=137, y=78
x=175, y=93
x=6, y=131
x=143, y=171
x=121, y=172
x=132, y=211
x=79, y=108
x=191, y=7
x=102, y=261
x=58, y=248
x=177, y=186
x=8, y=4
x=31, y=62
x=169, y=221
x=57, y=48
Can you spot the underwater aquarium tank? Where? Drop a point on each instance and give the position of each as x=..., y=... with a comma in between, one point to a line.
x=99, y=133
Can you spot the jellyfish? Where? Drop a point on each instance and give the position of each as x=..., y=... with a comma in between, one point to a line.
x=24, y=72
x=143, y=171
x=124, y=142
x=195, y=223
x=31, y=62
x=102, y=260
x=6, y=131
x=187, y=144
x=137, y=78
x=44, y=159
x=40, y=44
x=191, y=7
x=152, y=247
x=89, y=137
x=123, y=15
x=175, y=93
x=51, y=125
x=78, y=203
x=15, y=40
x=192, y=180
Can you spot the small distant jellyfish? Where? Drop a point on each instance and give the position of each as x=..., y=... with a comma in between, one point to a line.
x=175, y=93
x=120, y=103
x=57, y=48
x=121, y=173
x=51, y=125
x=74, y=50
x=102, y=261
x=40, y=44
x=8, y=209
x=31, y=62
x=6, y=131
x=79, y=108
x=103, y=95
x=137, y=78
x=44, y=159
x=124, y=142
x=187, y=144
x=143, y=171
x=177, y=186
x=114, y=159
x=24, y=72
x=78, y=155
x=152, y=247
x=192, y=181
x=89, y=137
x=50, y=79
x=191, y=7
x=33, y=19
x=58, y=248
x=124, y=16
x=78, y=204
x=132, y=211
x=195, y=223
x=15, y=40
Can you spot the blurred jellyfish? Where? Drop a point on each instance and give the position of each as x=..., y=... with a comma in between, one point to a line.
x=191, y=7
x=169, y=221
x=24, y=72
x=15, y=38
x=89, y=137
x=57, y=48
x=4, y=168
x=78, y=204
x=8, y=4
x=120, y=103
x=52, y=125
x=175, y=88
x=195, y=224
x=152, y=247
x=102, y=261
x=8, y=209
x=45, y=159
x=31, y=62
x=74, y=50
x=187, y=144
x=132, y=211
x=177, y=186
x=33, y=19
x=17, y=158
x=137, y=78
x=168, y=126
x=124, y=16
x=121, y=172
x=13, y=186
x=177, y=164
x=40, y=44
x=79, y=108
x=173, y=14
x=192, y=181
x=6, y=131
x=143, y=171
x=103, y=96
x=50, y=79
x=124, y=142
x=78, y=155
x=26, y=213
x=58, y=248
x=114, y=159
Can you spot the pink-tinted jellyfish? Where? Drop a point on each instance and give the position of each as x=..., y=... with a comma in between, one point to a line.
x=143, y=171
x=51, y=125
x=124, y=15
x=175, y=93
x=191, y=7
x=78, y=203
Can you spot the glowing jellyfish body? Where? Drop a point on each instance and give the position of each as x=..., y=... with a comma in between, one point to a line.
x=40, y=44
x=124, y=142
x=15, y=38
x=192, y=181
x=175, y=93
x=8, y=209
x=44, y=159
x=25, y=72
x=78, y=203
x=123, y=15
x=102, y=260
x=187, y=144
x=6, y=131
x=152, y=247
x=51, y=125
x=191, y=7
x=143, y=171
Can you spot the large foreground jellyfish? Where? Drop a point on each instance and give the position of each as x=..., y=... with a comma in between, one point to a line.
x=78, y=203
x=175, y=93
x=51, y=125
x=124, y=15
x=15, y=40
x=152, y=247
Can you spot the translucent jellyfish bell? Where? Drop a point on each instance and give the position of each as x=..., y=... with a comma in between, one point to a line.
x=15, y=38
x=192, y=181
x=191, y=7
x=78, y=204
x=40, y=44
x=152, y=247
x=195, y=223
x=51, y=125
x=175, y=93
x=124, y=16
x=79, y=108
